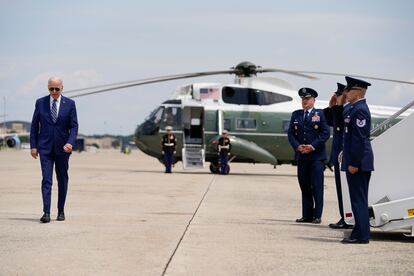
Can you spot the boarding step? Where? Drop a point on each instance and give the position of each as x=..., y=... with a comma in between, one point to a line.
x=193, y=156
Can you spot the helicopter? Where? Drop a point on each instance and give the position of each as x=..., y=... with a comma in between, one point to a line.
x=255, y=111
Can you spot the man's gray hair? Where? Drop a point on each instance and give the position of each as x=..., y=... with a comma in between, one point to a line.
x=55, y=79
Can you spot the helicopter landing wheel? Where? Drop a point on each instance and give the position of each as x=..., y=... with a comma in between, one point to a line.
x=214, y=168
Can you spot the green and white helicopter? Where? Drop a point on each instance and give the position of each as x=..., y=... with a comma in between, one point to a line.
x=255, y=110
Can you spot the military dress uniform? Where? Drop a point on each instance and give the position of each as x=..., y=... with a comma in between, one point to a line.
x=168, y=143
x=335, y=119
x=358, y=153
x=224, y=148
x=310, y=128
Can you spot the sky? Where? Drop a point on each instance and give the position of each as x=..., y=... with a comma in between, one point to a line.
x=97, y=42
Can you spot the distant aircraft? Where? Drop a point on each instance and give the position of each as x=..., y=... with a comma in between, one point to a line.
x=11, y=140
x=255, y=110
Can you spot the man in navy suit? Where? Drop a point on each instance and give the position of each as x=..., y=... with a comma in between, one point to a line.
x=52, y=137
x=307, y=134
x=358, y=158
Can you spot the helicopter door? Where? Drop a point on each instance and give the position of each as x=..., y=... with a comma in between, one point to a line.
x=193, y=137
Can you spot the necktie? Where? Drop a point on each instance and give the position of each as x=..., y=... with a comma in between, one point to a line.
x=306, y=114
x=54, y=111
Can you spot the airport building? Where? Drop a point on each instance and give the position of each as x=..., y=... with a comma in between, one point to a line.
x=15, y=127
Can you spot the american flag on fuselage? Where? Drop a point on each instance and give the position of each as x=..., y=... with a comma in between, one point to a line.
x=209, y=93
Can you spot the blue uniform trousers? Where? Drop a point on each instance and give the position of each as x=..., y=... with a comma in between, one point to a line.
x=337, y=171
x=358, y=190
x=168, y=158
x=61, y=163
x=310, y=176
x=224, y=159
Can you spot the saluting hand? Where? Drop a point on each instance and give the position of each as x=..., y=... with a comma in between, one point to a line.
x=332, y=101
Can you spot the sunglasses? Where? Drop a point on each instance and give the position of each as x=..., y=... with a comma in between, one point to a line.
x=51, y=89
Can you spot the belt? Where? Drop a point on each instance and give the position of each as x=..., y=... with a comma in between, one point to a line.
x=168, y=144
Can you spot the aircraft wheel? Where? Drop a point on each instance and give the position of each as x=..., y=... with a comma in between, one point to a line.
x=214, y=168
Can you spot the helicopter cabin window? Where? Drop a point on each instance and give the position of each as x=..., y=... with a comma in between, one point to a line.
x=246, y=123
x=249, y=96
x=227, y=124
x=285, y=126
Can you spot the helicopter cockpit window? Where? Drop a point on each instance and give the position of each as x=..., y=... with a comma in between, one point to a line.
x=157, y=115
x=172, y=117
x=249, y=96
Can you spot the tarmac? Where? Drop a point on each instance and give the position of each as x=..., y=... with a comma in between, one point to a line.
x=124, y=216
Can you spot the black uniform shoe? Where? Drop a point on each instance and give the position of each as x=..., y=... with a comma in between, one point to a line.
x=45, y=218
x=61, y=217
x=316, y=221
x=304, y=220
x=340, y=225
x=354, y=241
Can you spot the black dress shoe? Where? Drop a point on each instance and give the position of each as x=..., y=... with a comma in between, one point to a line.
x=304, y=220
x=340, y=225
x=45, y=218
x=61, y=217
x=316, y=221
x=354, y=241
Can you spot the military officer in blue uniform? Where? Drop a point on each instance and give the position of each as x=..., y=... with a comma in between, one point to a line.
x=307, y=134
x=224, y=148
x=168, y=144
x=335, y=119
x=358, y=158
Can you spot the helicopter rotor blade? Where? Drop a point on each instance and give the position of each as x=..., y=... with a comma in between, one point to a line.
x=290, y=72
x=121, y=85
x=353, y=75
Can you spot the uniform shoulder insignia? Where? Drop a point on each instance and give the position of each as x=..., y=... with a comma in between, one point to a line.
x=361, y=123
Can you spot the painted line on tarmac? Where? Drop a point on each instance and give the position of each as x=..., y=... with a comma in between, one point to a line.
x=188, y=226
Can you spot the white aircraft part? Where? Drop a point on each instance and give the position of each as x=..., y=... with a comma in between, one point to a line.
x=391, y=183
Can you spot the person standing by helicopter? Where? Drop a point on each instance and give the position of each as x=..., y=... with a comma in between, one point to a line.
x=168, y=144
x=358, y=158
x=224, y=148
x=307, y=134
x=335, y=119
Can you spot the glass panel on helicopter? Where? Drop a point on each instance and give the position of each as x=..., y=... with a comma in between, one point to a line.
x=250, y=96
x=171, y=117
x=246, y=123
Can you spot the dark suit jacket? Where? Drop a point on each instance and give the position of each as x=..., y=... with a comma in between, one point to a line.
x=49, y=137
x=313, y=130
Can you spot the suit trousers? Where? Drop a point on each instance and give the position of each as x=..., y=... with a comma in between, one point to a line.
x=358, y=191
x=168, y=159
x=224, y=160
x=61, y=163
x=310, y=176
